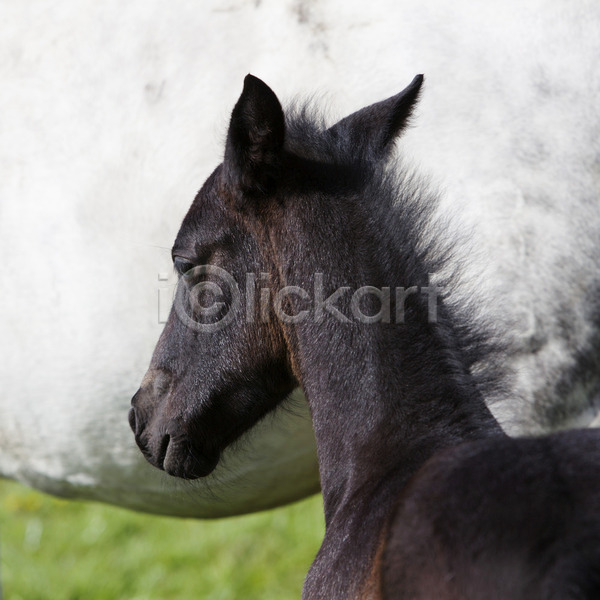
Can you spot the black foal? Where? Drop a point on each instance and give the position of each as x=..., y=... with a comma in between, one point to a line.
x=425, y=498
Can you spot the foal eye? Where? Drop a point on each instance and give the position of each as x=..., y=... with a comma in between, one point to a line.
x=182, y=265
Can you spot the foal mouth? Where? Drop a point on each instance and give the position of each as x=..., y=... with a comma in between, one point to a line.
x=162, y=451
x=176, y=455
x=181, y=459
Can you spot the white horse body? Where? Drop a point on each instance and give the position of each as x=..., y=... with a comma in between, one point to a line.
x=111, y=115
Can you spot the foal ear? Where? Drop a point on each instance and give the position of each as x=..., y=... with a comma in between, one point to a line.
x=255, y=139
x=375, y=127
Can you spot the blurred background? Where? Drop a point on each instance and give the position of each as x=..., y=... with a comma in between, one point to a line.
x=67, y=550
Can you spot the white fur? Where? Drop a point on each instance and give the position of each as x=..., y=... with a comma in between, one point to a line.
x=111, y=116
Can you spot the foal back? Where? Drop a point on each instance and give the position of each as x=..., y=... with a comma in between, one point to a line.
x=500, y=519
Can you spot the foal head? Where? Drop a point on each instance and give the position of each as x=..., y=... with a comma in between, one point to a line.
x=225, y=357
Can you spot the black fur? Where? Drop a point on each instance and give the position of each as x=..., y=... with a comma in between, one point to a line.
x=424, y=495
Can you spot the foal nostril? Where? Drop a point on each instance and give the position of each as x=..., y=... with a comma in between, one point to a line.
x=132, y=420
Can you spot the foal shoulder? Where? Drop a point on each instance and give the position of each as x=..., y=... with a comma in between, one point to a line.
x=500, y=518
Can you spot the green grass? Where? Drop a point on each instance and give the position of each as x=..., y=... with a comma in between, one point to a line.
x=64, y=550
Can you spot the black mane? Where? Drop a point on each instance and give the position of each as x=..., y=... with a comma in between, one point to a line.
x=427, y=241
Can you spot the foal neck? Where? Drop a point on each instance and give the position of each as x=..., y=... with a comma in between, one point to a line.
x=384, y=396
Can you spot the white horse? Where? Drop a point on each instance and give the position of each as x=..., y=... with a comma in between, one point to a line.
x=104, y=140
